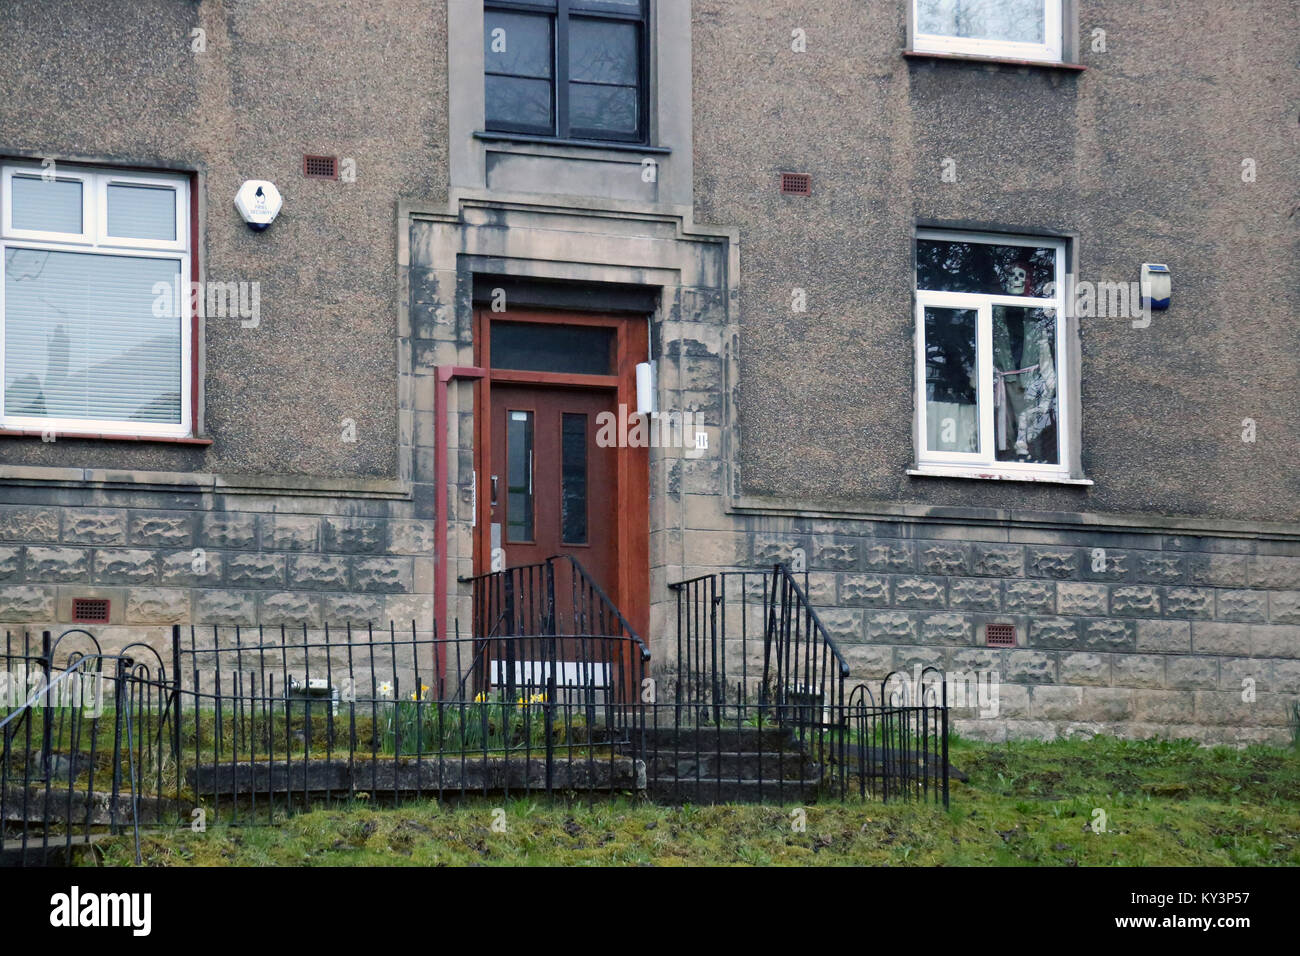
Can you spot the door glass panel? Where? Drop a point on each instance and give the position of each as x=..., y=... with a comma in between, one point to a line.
x=42, y=206
x=951, y=394
x=519, y=476
x=944, y=266
x=142, y=212
x=1024, y=385
x=534, y=347
x=573, y=479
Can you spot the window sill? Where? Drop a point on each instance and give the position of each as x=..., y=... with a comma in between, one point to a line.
x=1046, y=478
x=995, y=60
x=571, y=143
x=102, y=436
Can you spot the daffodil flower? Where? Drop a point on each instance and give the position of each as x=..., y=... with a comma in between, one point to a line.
x=386, y=690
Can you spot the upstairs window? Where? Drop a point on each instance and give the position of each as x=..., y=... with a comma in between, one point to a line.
x=573, y=69
x=94, y=301
x=993, y=387
x=1002, y=29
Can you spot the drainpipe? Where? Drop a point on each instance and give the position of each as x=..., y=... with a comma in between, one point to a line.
x=445, y=374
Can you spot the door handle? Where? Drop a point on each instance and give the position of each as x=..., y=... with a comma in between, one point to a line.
x=494, y=491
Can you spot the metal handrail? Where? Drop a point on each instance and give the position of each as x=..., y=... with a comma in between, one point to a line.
x=586, y=579
x=783, y=569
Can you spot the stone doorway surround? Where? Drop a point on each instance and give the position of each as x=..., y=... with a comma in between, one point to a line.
x=693, y=340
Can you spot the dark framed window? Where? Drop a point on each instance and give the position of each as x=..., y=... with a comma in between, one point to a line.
x=573, y=69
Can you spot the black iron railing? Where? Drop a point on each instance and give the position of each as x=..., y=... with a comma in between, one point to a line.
x=85, y=742
x=755, y=666
x=757, y=633
x=550, y=692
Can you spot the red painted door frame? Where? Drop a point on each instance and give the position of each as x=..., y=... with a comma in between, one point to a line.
x=632, y=482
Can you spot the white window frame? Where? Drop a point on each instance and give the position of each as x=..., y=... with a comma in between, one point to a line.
x=94, y=240
x=1049, y=51
x=984, y=464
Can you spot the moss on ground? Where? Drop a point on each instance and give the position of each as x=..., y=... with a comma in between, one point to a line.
x=1165, y=803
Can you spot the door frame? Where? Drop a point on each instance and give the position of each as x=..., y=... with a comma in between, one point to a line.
x=632, y=469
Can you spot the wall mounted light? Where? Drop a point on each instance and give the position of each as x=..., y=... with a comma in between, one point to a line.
x=646, y=397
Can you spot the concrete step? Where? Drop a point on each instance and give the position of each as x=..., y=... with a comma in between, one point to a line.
x=743, y=739
x=767, y=765
x=59, y=851
x=676, y=790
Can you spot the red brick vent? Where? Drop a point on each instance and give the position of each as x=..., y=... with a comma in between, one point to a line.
x=320, y=167
x=90, y=610
x=1000, y=635
x=796, y=184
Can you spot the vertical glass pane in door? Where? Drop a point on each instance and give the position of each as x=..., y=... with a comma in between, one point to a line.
x=952, y=420
x=573, y=479
x=519, y=476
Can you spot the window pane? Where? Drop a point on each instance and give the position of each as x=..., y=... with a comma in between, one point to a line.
x=519, y=476
x=951, y=404
x=53, y=206
x=518, y=102
x=82, y=339
x=574, y=349
x=1019, y=21
x=517, y=44
x=614, y=6
x=603, y=51
x=142, y=212
x=573, y=478
x=608, y=108
x=1024, y=385
x=944, y=266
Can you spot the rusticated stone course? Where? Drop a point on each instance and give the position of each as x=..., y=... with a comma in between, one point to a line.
x=1182, y=637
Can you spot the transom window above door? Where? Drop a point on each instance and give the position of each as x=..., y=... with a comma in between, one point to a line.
x=572, y=69
x=993, y=383
x=1007, y=29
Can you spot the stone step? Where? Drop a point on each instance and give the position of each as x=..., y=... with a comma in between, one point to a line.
x=412, y=775
x=767, y=765
x=732, y=739
x=676, y=790
x=51, y=850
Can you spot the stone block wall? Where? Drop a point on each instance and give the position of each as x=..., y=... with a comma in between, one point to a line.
x=1133, y=634
x=207, y=559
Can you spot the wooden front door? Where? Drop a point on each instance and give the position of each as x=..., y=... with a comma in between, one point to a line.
x=552, y=489
x=545, y=485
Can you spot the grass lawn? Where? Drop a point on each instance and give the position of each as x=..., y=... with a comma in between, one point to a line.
x=1165, y=803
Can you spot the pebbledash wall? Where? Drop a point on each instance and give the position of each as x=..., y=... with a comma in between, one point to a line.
x=314, y=500
x=1162, y=599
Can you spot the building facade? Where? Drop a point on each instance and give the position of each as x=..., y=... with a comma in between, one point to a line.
x=885, y=259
